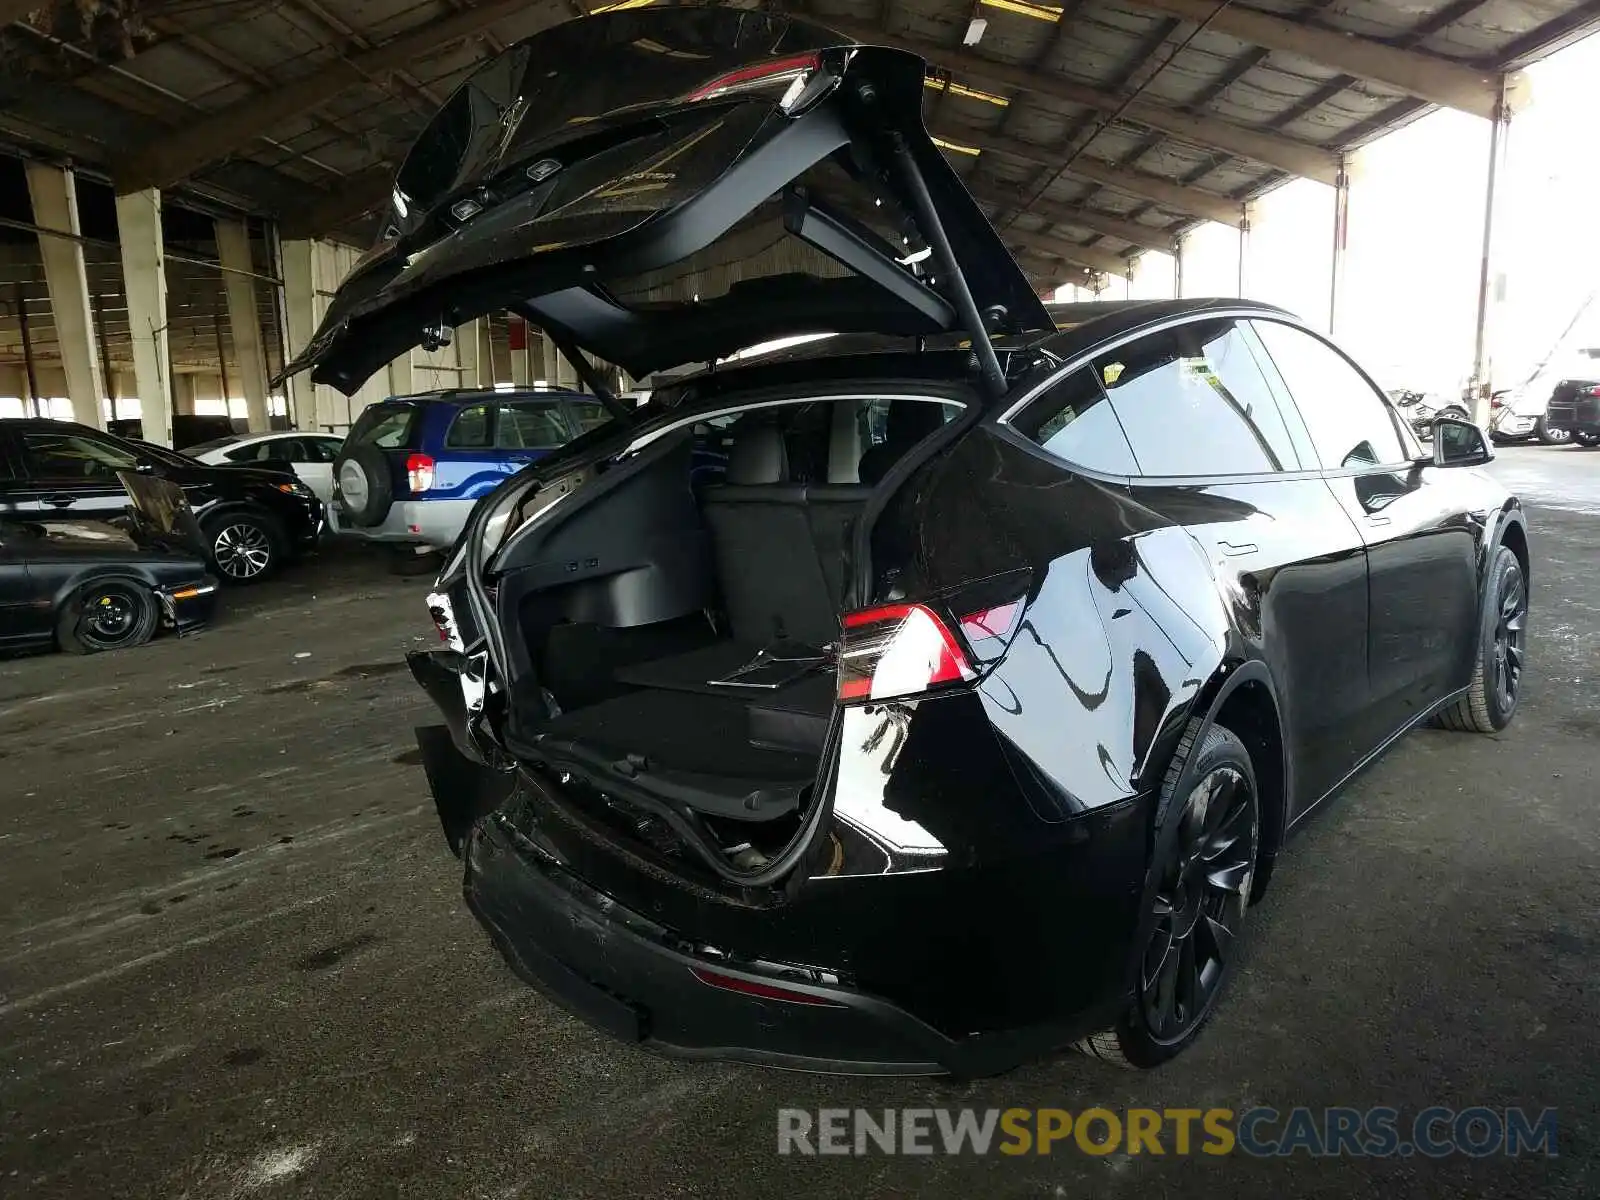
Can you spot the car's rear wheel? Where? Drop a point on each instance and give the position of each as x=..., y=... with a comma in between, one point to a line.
x=114, y=615
x=1549, y=435
x=1491, y=700
x=1587, y=440
x=245, y=547
x=1197, y=892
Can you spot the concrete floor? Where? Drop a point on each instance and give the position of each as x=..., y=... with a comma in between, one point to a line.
x=234, y=960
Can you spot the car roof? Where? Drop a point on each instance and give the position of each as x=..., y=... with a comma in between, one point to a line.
x=1079, y=327
x=476, y=395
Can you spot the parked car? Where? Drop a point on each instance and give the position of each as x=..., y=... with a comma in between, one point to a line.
x=1421, y=409
x=928, y=744
x=1575, y=401
x=91, y=587
x=253, y=520
x=308, y=455
x=1522, y=415
x=412, y=467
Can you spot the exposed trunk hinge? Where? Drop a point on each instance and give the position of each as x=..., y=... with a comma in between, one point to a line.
x=958, y=291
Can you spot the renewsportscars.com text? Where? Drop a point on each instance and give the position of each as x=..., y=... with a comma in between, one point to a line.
x=1438, y=1132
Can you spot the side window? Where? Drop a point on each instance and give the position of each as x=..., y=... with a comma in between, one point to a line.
x=587, y=414
x=1349, y=423
x=530, y=427
x=470, y=429
x=1073, y=421
x=244, y=453
x=1193, y=401
x=323, y=450
x=73, y=456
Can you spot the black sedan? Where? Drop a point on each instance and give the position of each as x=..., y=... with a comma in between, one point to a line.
x=965, y=715
x=254, y=519
x=96, y=586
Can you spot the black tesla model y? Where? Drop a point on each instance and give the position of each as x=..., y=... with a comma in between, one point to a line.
x=931, y=695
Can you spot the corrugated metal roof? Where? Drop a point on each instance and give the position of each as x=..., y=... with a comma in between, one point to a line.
x=1120, y=96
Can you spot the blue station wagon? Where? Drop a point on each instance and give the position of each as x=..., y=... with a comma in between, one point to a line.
x=412, y=467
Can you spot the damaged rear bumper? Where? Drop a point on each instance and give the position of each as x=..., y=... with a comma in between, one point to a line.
x=639, y=982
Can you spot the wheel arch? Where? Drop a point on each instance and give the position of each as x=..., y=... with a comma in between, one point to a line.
x=1242, y=698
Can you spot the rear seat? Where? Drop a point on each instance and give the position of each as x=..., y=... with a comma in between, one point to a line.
x=773, y=584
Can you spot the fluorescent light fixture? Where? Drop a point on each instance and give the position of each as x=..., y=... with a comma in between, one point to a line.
x=975, y=31
x=925, y=252
x=958, y=149
x=961, y=89
x=1039, y=12
x=621, y=4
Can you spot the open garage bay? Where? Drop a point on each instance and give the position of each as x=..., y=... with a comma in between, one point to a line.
x=234, y=959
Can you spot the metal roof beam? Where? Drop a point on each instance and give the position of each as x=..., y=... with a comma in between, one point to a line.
x=1439, y=80
x=1190, y=201
x=357, y=196
x=1067, y=250
x=1132, y=232
x=180, y=154
x=1273, y=149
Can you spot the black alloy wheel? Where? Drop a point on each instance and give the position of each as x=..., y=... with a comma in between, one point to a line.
x=1199, y=905
x=1496, y=686
x=1510, y=638
x=1199, y=890
x=115, y=615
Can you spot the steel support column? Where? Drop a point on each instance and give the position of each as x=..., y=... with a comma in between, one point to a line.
x=1177, y=268
x=1341, y=239
x=310, y=277
x=54, y=193
x=1482, y=386
x=1244, y=252
x=233, y=250
x=144, y=279
x=466, y=343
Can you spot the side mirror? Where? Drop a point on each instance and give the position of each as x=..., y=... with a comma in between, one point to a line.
x=1458, y=443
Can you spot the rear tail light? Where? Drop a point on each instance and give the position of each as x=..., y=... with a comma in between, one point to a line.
x=898, y=650
x=419, y=472
x=1591, y=390
x=793, y=74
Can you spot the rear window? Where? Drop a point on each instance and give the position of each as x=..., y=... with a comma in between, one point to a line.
x=387, y=426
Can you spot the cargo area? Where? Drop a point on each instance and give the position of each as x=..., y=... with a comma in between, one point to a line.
x=677, y=628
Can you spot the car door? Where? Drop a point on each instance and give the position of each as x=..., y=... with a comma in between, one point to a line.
x=315, y=467
x=1417, y=524
x=71, y=474
x=1215, y=454
x=469, y=464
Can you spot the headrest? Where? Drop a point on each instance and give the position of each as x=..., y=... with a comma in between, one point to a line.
x=758, y=455
x=912, y=420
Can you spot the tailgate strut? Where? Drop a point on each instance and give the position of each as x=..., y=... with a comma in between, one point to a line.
x=939, y=242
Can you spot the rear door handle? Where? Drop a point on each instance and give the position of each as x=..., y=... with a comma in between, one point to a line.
x=1378, y=521
x=1234, y=549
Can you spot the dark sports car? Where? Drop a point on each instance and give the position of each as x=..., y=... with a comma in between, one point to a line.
x=965, y=714
x=90, y=585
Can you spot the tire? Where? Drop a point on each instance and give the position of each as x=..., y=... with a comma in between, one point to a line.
x=1586, y=439
x=111, y=614
x=245, y=545
x=1549, y=436
x=365, y=488
x=1491, y=700
x=1197, y=891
